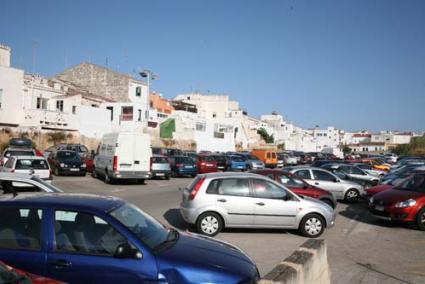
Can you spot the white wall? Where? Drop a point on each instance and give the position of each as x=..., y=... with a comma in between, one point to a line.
x=11, y=83
x=94, y=122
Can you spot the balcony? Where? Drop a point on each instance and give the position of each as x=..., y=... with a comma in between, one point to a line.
x=47, y=119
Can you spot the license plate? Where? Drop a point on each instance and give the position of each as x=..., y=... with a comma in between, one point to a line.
x=74, y=170
x=379, y=208
x=210, y=165
x=160, y=174
x=188, y=167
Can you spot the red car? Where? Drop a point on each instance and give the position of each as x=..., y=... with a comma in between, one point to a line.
x=371, y=191
x=9, y=274
x=206, y=164
x=298, y=185
x=404, y=203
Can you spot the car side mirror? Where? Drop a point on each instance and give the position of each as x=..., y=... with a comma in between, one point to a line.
x=127, y=251
x=336, y=180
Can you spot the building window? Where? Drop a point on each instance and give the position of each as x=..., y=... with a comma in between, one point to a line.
x=59, y=105
x=200, y=126
x=112, y=112
x=138, y=91
x=140, y=115
x=74, y=109
x=127, y=113
x=41, y=103
x=214, y=115
x=147, y=115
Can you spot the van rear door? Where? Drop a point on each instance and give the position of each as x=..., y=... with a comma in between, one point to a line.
x=134, y=152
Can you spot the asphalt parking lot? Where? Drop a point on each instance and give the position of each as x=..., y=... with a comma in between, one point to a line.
x=360, y=248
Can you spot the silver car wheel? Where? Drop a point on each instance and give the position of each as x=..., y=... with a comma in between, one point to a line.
x=352, y=194
x=209, y=225
x=423, y=218
x=313, y=226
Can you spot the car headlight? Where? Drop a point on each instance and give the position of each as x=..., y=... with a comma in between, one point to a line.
x=83, y=165
x=407, y=203
x=371, y=200
x=62, y=165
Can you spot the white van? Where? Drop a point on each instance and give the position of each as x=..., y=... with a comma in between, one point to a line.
x=124, y=155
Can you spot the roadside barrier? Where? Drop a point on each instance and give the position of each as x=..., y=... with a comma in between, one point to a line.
x=307, y=265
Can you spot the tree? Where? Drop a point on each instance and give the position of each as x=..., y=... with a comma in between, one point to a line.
x=281, y=146
x=416, y=147
x=266, y=137
x=346, y=150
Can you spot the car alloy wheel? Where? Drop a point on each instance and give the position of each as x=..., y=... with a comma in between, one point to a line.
x=352, y=195
x=209, y=224
x=312, y=226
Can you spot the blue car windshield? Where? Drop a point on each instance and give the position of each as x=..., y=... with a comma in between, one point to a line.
x=146, y=228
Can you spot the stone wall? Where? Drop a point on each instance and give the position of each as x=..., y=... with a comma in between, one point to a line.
x=98, y=80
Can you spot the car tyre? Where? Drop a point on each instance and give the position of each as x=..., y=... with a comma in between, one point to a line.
x=420, y=219
x=352, y=195
x=209, y=224
x=312, y=226
x=94, y=173
x=167, y=177
x=107, y=178
x=193, y=175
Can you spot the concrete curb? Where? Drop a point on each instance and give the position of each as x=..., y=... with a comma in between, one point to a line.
x=308, y=264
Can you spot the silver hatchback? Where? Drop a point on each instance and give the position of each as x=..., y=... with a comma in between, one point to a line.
x=244, y=200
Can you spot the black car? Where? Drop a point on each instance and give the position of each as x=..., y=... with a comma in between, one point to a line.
x=222, y=162
x=64, y=162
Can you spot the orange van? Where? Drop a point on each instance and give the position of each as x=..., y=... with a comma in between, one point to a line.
x=267, y=156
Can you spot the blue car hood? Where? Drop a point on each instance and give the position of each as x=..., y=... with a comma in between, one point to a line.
x=204, y=253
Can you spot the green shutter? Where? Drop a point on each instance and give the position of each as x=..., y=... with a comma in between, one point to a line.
x=167, y=128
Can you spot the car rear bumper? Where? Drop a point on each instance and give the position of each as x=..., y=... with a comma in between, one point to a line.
x=160, y=173
x=183, y=171
x=393, y=214
x=189, y=215
x=73, y=171
x=131, y=175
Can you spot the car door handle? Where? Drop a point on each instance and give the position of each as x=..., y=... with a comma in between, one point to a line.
x=316, y=183
x=61, y=263
x=222, y=200
x=260, y=203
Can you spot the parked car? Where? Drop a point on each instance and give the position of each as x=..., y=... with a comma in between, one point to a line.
x=236, y=163
x=298, y=185
x=369, y=169
x=160, y=166
x=243, y=200
x=252, y=161
x=403, y=203
x=391, y=158
x=124, y=155
x=183, y=166
x=98, y=239
x=10, y=274
x=31, y=165
x=64, y=162
x=17, y=147
x=355, y=173
x=267, y=156
x=341, y=189
x=288, y=159
x=280, y=160
x=15, y=183
x=222, y=161
x=376, y=189
x=206, y=164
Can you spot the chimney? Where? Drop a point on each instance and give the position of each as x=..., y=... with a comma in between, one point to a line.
x=5, y=55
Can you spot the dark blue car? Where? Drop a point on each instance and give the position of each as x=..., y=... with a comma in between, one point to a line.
x=183, y=166
x=80, y=238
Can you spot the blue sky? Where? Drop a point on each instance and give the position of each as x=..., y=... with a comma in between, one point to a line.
x=351, y=64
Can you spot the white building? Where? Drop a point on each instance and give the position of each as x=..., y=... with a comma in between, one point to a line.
x=37, y=103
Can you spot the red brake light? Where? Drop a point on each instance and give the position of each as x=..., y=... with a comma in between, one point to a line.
x=179, y=165
x=196, y=188
x=115, y=164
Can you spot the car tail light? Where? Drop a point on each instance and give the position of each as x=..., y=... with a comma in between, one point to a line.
x=50, y=173
x=196, y=188
x=179, y=165
x=115, y=164
x=12, y=170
